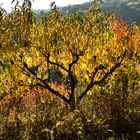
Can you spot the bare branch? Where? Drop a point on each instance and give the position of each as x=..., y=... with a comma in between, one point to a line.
x=102, y=80
x=45, y=85
x=29, y=69
x=54, y=63
x=72, y=83
x=92, y=83
x=72, y=79
x=54, y=92
x=74, y=61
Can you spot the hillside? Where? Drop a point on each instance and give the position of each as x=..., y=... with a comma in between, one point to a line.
x=130, y=11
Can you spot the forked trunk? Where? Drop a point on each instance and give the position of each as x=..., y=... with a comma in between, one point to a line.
x=74, y=105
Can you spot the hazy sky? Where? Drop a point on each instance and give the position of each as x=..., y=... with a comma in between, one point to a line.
x=42, y=4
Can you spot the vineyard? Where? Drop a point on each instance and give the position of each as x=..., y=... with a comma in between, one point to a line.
x=72, y=76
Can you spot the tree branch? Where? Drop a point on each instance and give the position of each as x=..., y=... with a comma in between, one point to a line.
x=54, y=63
x=72, y=80
x=29, y=69
x=74, y=61
x=54, y=92
x=45, y=85
x=100, y=82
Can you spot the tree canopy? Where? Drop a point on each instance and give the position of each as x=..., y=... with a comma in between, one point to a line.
x=89, y=48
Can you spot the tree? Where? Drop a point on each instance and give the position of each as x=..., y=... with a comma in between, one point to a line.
x=76, y=74
x=90, y=48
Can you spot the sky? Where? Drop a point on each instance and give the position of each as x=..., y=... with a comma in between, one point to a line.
x=41, y=4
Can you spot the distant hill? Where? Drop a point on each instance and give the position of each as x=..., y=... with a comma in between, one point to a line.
x=128, y=9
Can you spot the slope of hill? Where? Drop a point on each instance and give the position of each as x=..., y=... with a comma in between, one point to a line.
x=130, y=11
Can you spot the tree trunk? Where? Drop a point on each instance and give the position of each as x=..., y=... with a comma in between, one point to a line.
x=74, y=105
